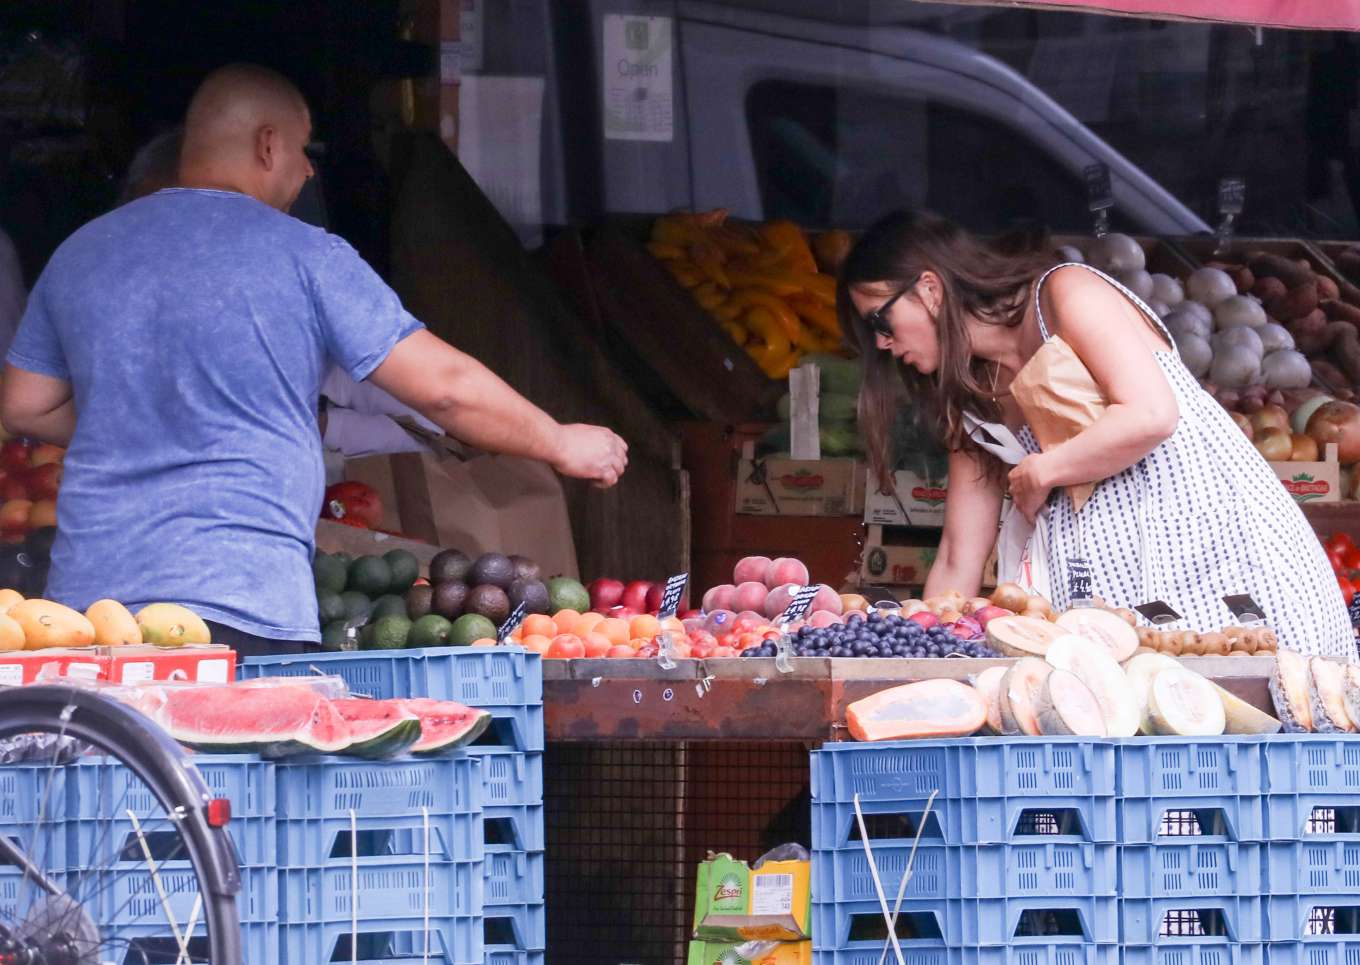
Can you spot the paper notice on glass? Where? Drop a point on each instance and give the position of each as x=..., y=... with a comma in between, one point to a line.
x=804, y=408
x=636, y=76
x=500, y=145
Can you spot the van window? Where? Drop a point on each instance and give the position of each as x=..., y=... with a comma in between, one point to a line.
x=844, y=156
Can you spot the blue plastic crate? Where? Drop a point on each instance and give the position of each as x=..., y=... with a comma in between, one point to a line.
x=478, y=677
x=94, y=842
x=23, y=789
x=991, y=767
x=969, y=821
x=1311, y=764
x=993, y=871
x=1306, y=817
x=46, y=844
x=328, y=787
x=1037, y=954
x=516, y=927
x=510, y=776
x=1322, y=950
x=1318, y=865
x=244, y=779
x=516, y=728
x=513, y=877
x=312, y=843
x=1207, y=952
x=1310, y=916
x=447, y=941
x=519, y=826
x=1148, y=820
x=957, y=923
x=1166, y=869
x=16, y=896
x=385, y=889
x=259, y=943
x=506, y=956
x=126, y=894
x=1149, y=921
x=1185, y=767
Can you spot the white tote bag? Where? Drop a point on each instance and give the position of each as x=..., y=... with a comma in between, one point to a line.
x=1021, y=546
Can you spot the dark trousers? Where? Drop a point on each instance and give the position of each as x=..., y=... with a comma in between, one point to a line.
x=249, y=645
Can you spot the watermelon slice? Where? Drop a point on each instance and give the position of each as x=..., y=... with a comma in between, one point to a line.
x=271, y=721
x=378, y=728
x=444, y=724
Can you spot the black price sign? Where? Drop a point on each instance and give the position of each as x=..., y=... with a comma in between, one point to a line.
x=1232, y=195
x=799, y=605
x=1355, y=610
x=1158, y=613
x=1245, y=609
x=1079, y=582
x=1099, y=193
x=670, y=597
x=512, y=623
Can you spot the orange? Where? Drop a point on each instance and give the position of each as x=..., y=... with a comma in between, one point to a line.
x=42, y=513
x=485, y=642
x=536, y=624
x=537, y=642
x=644, y=626
x=565, y=620
x=673, y=624
x=596, y=644
x=637, y=643
x=621, y=651
x=615, y=629
x=566, y=645
x=588, y=622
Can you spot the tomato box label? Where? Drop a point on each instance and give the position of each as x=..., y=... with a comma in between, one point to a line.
x=799, y=487
x=914, y=501
x=1312, y=482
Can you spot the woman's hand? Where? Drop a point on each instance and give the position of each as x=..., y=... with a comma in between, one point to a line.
x=1030, y=484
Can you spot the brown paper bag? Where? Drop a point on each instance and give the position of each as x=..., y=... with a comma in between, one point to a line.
x=1059, y=399
x=479, y=504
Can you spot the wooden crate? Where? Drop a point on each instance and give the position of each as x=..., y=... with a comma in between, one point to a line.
x=1312, y=482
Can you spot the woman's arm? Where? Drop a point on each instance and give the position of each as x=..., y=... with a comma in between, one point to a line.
x=972, y=515
x=1102, y=327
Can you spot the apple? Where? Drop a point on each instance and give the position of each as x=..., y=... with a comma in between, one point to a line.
x=622, y=612
x=46, y=454
x=13, y=488
x=44, y=480
x=985, y=615
x=654, y=596
x=635, y=595
x=14, y=515
x=925, y=618
x=15, y=455
x=604, y=593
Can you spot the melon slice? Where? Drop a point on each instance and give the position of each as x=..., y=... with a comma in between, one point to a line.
x=1021, y=636
x=1108, y=629
x=1352, y=693
x=1139, y=671
x=1020, y=691
x=1327, y=697
x=378, y=728
x=444, y=724
x=272, y=721
x=1099, y=671
x=1068, y=707
x=988, y=684
x=928, y=708
x=1242, y=717
x=1182, y=703
x=1290, y=690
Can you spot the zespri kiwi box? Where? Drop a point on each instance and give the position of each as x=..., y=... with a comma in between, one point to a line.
x=750, y=953
x=735, y=903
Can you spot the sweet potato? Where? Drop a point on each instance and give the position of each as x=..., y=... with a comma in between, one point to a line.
x=1345, y=349
x=1327, y=288
x=1301, y=300
x=1269, y=289
x=1339, y=311
x=1327, y=374
x=1265, y=265
x=1310, y=333
x=1242, y=278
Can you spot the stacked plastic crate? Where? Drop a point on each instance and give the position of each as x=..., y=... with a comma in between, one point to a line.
x=1016, y=859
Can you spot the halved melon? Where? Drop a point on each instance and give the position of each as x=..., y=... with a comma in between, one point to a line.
x=1327, y=697
x=988, y=684
x=1068, y=707
x=1103, y=627
x=1182, y=703
x=1019, y=701
x=1093, y=665
x=1352, y=693
x=928, y=708
x=1242, y=718
x=1290, y=690
x=1021, y=636
x=1139, y=671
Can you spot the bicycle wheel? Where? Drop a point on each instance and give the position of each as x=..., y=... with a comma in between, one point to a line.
x=117, y=857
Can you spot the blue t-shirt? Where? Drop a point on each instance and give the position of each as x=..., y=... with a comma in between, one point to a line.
x=195, y=328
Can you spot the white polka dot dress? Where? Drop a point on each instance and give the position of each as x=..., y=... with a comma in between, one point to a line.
x=1200, y=517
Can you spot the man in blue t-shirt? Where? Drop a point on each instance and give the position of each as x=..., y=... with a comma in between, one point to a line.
x=177, y=347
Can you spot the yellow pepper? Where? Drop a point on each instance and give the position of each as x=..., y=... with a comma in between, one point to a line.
x=736, y=331
x=709, y=295
x=773, y=350
x=821, y=287
x=785, y=316
x=736, y=240
x=815, y=313
x=677, y=229
x=775, y=284
x=788, y=238
x=780, y=370
x=727, y=311
x=666, y=252
x=687, y=275
x=709, y=258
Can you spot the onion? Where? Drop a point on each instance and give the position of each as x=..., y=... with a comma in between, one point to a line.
x=1275, y=337
x=1243, y=423
x=1337, y=422
x=1190, y=323
x=1068, y=253
x=1238, y=338
x=1210, y=286
x=1139, y=282
x=1239, y=310
x=1195, y=353
x=1234, y=366
x=1275, y=444
x=1286, y=369
x=1270, y=417
x=1198, y=309
x=1167, y=289
x=1158, y=308
x=1116, y=254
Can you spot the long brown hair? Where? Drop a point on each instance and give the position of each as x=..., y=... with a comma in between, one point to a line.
x=979, y=281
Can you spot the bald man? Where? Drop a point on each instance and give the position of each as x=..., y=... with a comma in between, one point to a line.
x=177, y=347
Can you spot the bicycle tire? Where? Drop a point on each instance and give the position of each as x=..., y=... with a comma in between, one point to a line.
x=156, y=759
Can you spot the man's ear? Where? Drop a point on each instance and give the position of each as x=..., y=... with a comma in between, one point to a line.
x=267, y=145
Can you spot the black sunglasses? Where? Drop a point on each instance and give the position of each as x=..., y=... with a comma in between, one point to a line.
x=876, y=319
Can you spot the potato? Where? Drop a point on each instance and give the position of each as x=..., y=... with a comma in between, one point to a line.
x=1171, y=644
x=1327, y=288
x=1214, y=644
x=1191, y=644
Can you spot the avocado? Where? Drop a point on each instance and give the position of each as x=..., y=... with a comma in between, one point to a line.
x=390, y=633
x=366, y=636
x=532, y=593
x=345, y=558
x=329, y=608
x=565, y=593
x=405, y=570
x=492, y=569
x=389, y=605
x=430, y=631
x=339, y=635
x=470, y=628
x=449, y=566
x=419, y=600
x=450, y=600
x=357, y=606
x=370, y=575
x=490, y=602
x=330, y=574
x=526, y=569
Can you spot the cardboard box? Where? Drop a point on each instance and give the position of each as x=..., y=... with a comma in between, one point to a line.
x=20, y=667
x=750, y=953
x=799, y=487
x=916, y=501
x=735, y=903
x=1312, y=482
x=122, y=665
x=888, y=562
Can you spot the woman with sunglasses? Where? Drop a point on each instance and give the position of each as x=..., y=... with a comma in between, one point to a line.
x=1184, y=511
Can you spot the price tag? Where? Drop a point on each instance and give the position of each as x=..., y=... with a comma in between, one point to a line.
x=512, y=623
x=799, y=605
x=1079, y=582
x=1245, y=610
x=1232, y=196
x=1158, y=613
x=1099, y=193
x=1355, y=611
x=671, y=596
